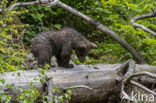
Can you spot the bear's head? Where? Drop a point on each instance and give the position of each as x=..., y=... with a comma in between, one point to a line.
x=82, y=49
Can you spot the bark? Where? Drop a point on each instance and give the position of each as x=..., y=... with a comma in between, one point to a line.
x=97, y=24
x=100, y=79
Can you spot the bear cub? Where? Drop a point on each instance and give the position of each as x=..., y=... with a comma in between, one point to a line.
x=60, y=43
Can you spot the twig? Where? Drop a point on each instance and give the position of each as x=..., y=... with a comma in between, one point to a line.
x=77, y=86
x=123, y=94
x=42, y=2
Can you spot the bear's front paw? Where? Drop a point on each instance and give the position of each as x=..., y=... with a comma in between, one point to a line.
x=69, y=66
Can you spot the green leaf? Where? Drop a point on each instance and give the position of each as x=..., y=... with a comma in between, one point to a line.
x=57, y=26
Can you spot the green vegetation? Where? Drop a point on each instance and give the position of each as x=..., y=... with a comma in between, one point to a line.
x=11, y=54
x=115, y=14
x=32, y=95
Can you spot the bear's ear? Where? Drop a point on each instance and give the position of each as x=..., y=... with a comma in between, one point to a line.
x=81, y=45
x=92, y=45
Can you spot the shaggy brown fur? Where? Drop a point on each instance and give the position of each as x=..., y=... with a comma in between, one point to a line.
x=60, y=43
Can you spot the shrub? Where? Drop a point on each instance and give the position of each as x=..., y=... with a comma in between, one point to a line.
x=11, y=54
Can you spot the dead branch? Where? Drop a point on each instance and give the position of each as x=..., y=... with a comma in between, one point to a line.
x=130, y=69
x=123, y=68
x=97, y=24
x=136, y=25
x=140, y=74
x=127, y=79
x=42, y=2
x=104, y=29
x=50, y=87
x=142, y=87
x=129, y=72
x=126, y=69
x=78, y=86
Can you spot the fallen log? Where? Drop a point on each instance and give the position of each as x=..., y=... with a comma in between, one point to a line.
x=100, y=77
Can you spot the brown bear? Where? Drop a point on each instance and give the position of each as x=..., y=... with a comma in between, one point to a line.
x=60, y=43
